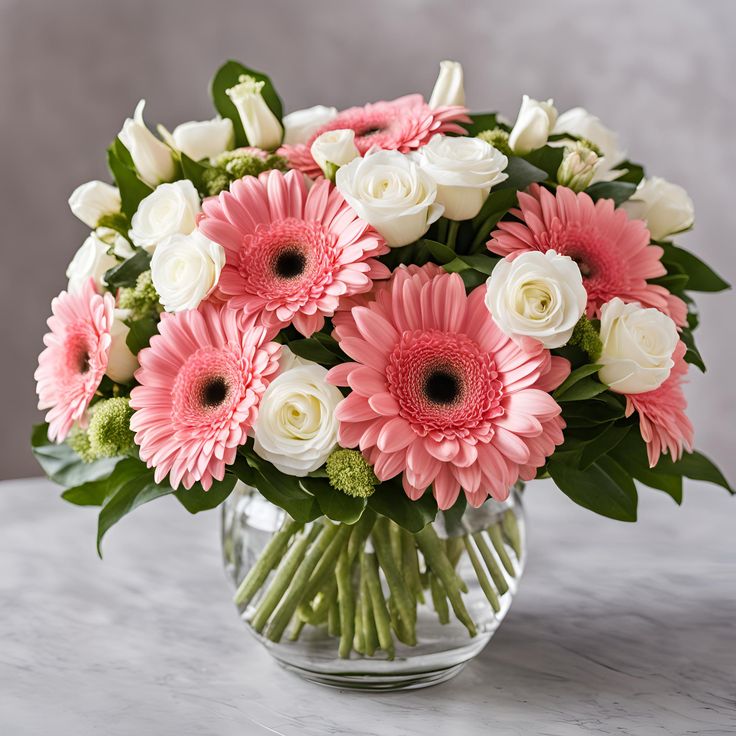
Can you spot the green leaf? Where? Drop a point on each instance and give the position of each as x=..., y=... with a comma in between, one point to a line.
x=62, y=465
x=92, y=493
x=140, y=333
x=633, y=173
x=577, y=375
x=482, y=121
x=280, y=489
x=701, y=277
x=132, y=485
x=440, y=252
x=126, y=273
x=604, y=487
x=390, y=500
x=618, y=191
x=603, y=444
x=674, y=282
x=603, y=409
x=453, y=516
x=228, y=75
x=585, y=388
x=132, y=189
x=521, y=174
x=547, y=158
x=194, y=171
x=692, y=354
x=196, y=499
x=313, y=349
x=334, y=504
x=696, y=466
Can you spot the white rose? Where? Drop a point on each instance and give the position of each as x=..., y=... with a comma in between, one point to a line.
x=390, y=191
x=464, y=169
x=578, y=166
x=152, y=158
x=185, y=269
x=91, y=201
x=121, y=363
x=533, y=125
x=333, y=149
x=637, y=347
x=205, y=139
x=666, y=207
x=296, y=428
x=168, y=210
x=448, y=89
x=539, y=295
x=91, y=260
x=301, y=125
x=262, y=128
x=579, y=122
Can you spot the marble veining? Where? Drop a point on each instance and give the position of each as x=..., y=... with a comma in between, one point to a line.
x=617, y=629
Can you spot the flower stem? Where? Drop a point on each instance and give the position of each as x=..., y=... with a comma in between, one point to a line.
x=494, y=532
x=346, y=603
x=369, y=571
x=481, y=575
x=452, y=233
x=269, y=558
x=497, y=576
x=369, y=625
x=439, y=599
x=511, y=532
x=410, y=565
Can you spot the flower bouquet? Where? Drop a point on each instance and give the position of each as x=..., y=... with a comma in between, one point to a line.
x=360, y=332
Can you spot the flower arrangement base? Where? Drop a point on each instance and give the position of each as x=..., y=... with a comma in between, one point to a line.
x=485, y=550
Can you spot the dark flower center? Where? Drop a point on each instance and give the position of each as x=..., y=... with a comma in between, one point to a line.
x=214, y=392
x=371, y=131
x=84, y=362
x=585, y=269
x=289, y=263
x=442, y=387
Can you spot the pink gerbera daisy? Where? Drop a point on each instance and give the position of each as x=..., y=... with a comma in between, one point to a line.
x=75, y=358
x=290, y=255
x=613, y=252
x=442, y=395
x=404, y=124
x=663, y=423
x=201, y=379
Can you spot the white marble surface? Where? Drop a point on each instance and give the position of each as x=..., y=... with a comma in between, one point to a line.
x=617, y=629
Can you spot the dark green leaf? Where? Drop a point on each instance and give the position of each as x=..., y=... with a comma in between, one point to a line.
x=194, y=171
x=391, y=501
x=701, y=277
x=196, y=499
x=140, y=333
x=481, y=121
x=602, y=409
x=604, y=487
x=692, y=354
x=132, y=189
x=453, y=516
x=603, y=444
x=633, y=173
x=618, y=191
x=440, y=252
x=577, y=375
x=62, y=465
x=521, y=174
x=472, y=278
x=126, y=273
x=547, y=158
x=694, y=465
x=672, y=282
x=312, y=349
x=334, y=504
x=227, y=76
x=585, y=388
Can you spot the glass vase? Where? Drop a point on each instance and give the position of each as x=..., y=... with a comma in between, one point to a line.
x=376, y=608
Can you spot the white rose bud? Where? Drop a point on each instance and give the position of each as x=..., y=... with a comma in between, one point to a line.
x=448, y=89
x=638, y=344
x=185, y=269
x=205, y=139
x=121, y=363
x=464, y=169
x=91, y=201
x=262, y=127
x=301, y=125
x=334, y=149
x=578, y=167
x=168, y=210
x=533, y=125
x=296, y=428
x=538, y=295
x=114, y=240
x=390, y=191
x=666, y=207
x=579, y=122
x=152, y=158
x=91, y=260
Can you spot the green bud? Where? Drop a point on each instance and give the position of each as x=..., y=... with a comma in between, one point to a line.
x=498, y=138
x=78, y=440
x=349, y=472
x=578, y=166
x=142, y=299
x=586, y=337
x=232, y=165
x=109, y=429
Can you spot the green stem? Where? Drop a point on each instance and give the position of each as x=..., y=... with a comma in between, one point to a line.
x=434, y=554
x=481, y=575
x=282, y=578
x=497, y=576
x=268, y=559
x=333, y=619
x=361, y=531
x=494, y=532
x=369, y=625
x=511, y=532
x=439, y=599
x=299, y=584
x=326, y=566
x=452, y=233
x=359, y=639
x=296, y=629
x=410, y=565
x=346, y=603
x=369, y=571
x=442, y=229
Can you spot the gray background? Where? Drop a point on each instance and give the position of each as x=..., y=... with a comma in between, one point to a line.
x=661, y=73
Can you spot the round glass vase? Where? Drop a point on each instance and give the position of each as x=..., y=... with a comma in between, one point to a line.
x=486, y=548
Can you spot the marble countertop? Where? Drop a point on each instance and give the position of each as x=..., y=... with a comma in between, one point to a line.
x=617, y=629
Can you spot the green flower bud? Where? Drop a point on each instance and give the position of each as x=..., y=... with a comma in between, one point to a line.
x=349, y=472
x=498, y=138
x=578, y=166
x=109, y=428
x=586, y=337
x=232, y=165
x=78, y=440
x=142, y=299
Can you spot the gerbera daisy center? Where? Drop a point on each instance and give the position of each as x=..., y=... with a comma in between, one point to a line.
x=214, y=391
x=442, y=386
x=289, y=263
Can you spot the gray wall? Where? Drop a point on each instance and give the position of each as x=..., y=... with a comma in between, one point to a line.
x=661, y=72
